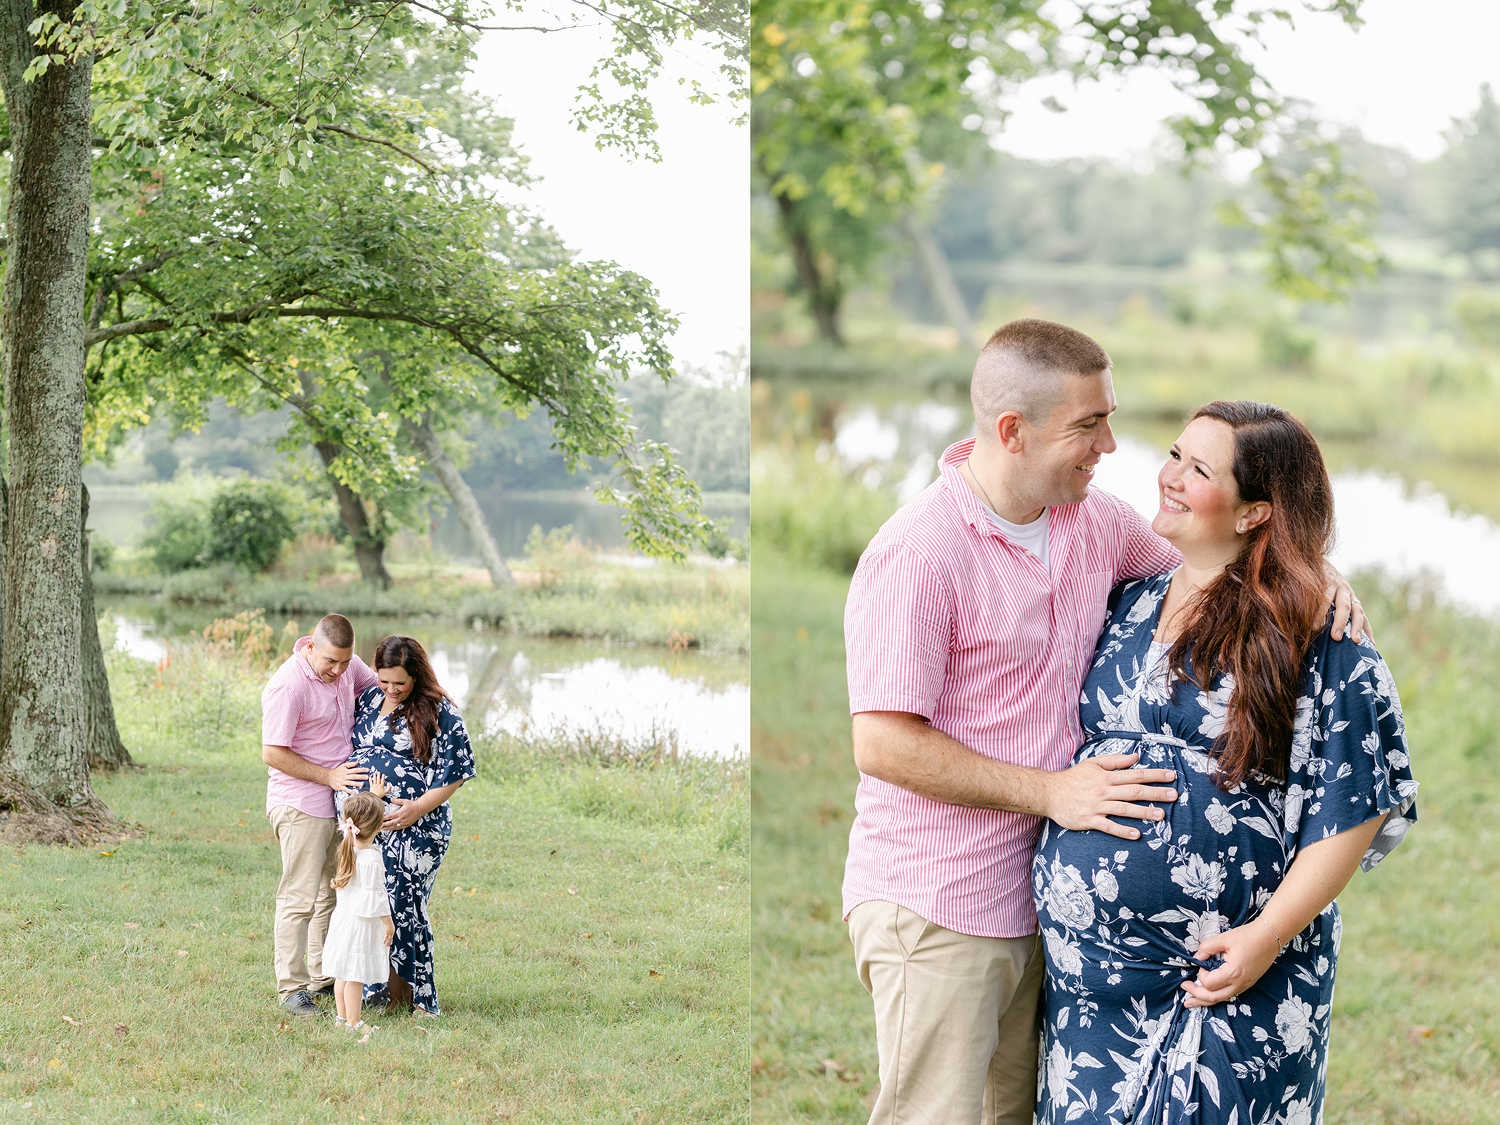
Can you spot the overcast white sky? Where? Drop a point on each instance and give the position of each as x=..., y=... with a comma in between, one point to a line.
x=1402, y=78
x=683, y=223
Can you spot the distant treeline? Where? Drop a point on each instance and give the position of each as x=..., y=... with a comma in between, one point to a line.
x=1099, y=211
x=1089, y=232
x=705, y=418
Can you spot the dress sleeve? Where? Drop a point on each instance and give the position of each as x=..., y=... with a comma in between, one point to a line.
x=452, y=753
x=1349, y=759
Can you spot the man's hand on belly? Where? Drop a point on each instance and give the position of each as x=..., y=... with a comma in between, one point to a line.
x=1085, y=796
x=347, y=777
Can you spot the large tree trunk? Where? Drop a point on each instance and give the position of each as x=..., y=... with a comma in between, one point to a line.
x=105, y=749
x=369, y=549
x=43, y=731
x=824, y=295
x=939, y=277
x=464, y=503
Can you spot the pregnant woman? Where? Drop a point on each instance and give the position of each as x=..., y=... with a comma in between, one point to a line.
x=1190, y=971
x=408, y=730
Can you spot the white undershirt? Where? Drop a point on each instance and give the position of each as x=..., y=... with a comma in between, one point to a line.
x=1028, y=536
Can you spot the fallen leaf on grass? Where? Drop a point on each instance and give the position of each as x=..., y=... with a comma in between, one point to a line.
x=588, y=935
x=1420, y=1032
x=121, y=1029
x=182, y=953
x=110, y=852
x=572, y=890
x=283, y=1026
x=833, y=1066
x=654, y=973
x=197, y=925
x=757, y=1064
x=71, y=1020
x=132, y=925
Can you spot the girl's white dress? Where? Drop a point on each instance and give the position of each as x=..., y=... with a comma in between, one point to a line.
x=355, y=948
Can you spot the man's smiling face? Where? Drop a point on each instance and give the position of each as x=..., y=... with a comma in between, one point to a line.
x=1061, y=455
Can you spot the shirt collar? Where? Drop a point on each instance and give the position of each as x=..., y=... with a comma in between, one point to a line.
x=951, y=468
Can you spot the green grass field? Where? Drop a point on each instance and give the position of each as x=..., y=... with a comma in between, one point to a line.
x=592, y=943
x=1416, y=1034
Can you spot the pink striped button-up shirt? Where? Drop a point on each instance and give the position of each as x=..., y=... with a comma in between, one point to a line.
x=949, y=620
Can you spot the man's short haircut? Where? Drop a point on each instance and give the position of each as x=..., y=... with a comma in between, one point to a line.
x=1021, y=367
x=335, y=631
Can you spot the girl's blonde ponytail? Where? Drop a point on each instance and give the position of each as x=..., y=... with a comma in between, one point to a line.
x=363, y=814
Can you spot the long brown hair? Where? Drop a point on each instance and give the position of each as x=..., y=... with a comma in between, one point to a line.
x=1256, y=620
x=420, y=708
x=367, y=811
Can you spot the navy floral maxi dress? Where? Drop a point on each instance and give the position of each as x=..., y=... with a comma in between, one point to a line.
x=1121, y=919
x=413, y=854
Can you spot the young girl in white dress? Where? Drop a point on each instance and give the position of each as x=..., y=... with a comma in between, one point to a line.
x=356, y=950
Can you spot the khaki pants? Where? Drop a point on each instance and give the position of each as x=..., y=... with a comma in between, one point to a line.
x=956, y=1019
x=304, y=897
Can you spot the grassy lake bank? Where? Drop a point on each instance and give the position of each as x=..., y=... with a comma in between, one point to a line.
x=688, y=605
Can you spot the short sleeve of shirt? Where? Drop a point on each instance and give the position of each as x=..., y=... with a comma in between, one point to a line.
x=1144, y=552
x=898, y=627
x=452, y=752
x=364, y=676
x=278, y=711
x=1350, y=760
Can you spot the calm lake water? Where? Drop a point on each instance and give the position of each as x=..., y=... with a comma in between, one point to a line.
x=1383, y=519
x=505, y=682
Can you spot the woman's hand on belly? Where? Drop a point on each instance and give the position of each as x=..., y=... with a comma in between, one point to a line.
x=1248, y=951
x=406, y=813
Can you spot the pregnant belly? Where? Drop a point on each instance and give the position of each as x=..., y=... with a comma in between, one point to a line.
x=405, y=777
x=1206, y=866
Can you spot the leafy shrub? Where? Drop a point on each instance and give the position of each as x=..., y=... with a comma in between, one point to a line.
x=1478, y=313
x=812, y=511
x=101, y=552
x=248, y=523
x=1285, y=344
x=177, y=532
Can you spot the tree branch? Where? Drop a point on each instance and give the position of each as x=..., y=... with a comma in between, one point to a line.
x=322, y=127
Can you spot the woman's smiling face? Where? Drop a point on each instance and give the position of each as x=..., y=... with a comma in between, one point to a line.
x=1201, y=513
x=395, y=682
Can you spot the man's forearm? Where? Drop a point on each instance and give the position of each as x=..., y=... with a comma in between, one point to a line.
x=905, y=750
x=925, y=761
x=294, y=765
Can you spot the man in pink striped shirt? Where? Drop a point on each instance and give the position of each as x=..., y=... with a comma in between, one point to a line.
x=970, y=624
x=307, y=717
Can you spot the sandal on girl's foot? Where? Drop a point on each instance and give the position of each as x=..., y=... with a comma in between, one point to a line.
x=367, y=1028
x=340, y=1021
